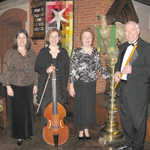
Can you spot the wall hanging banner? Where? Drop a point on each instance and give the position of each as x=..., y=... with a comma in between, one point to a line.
x=112, y=44
x=59, y=14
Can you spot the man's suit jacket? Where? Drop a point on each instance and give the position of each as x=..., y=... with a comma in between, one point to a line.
x=136, y=88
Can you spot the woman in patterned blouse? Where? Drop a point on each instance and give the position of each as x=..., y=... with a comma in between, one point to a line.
x=83, y=75
x=21, y=83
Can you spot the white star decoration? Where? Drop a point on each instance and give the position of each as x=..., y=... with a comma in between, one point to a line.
x=58, y=17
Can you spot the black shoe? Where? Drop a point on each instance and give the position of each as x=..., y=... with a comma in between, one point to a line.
x=81, y=137
x=124, y=147
x=87, y=137
x=19, y=142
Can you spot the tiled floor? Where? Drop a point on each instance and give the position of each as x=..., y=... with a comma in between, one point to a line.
x=37, y=143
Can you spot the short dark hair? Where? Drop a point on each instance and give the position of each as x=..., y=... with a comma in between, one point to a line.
x=28, y=44
x=90, y=31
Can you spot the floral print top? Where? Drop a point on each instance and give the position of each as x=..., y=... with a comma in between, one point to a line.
x=84, y=67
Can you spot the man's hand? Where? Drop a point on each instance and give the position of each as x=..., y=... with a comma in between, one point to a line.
x=117, y=76
x=127, y=69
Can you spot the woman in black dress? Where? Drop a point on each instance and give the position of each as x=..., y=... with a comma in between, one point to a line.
x=83, y=75
x=21, y=83
x=51, y=57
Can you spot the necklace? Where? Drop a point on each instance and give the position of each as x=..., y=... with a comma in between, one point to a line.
x=87, y=50
x=54, y=51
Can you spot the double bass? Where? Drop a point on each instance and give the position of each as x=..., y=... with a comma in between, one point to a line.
x=55, y=132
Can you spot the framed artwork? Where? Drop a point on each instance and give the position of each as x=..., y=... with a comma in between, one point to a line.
x=59, y=14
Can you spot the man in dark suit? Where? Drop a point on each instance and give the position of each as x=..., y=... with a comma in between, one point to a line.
x=133, y=87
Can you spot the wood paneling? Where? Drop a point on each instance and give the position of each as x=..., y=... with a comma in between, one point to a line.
x=122, y=11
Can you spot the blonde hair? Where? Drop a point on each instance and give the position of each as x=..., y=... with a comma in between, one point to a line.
x=49, y=33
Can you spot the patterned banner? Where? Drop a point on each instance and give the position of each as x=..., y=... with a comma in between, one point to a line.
x=59, y=14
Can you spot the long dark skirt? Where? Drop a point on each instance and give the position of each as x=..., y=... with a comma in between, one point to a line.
x=84, y=104
x=22, y=112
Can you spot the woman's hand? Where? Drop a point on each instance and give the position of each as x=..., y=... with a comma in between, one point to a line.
x=10, y=91
x=35, y=89
x=50, y=69
x=71, y=90
x=117, y=76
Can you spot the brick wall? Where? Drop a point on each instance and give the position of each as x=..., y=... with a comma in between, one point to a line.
x=86, y=12
x=85, y=15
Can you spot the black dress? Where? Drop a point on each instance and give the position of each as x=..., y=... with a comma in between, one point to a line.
x=43, y=61
x=83, y=74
